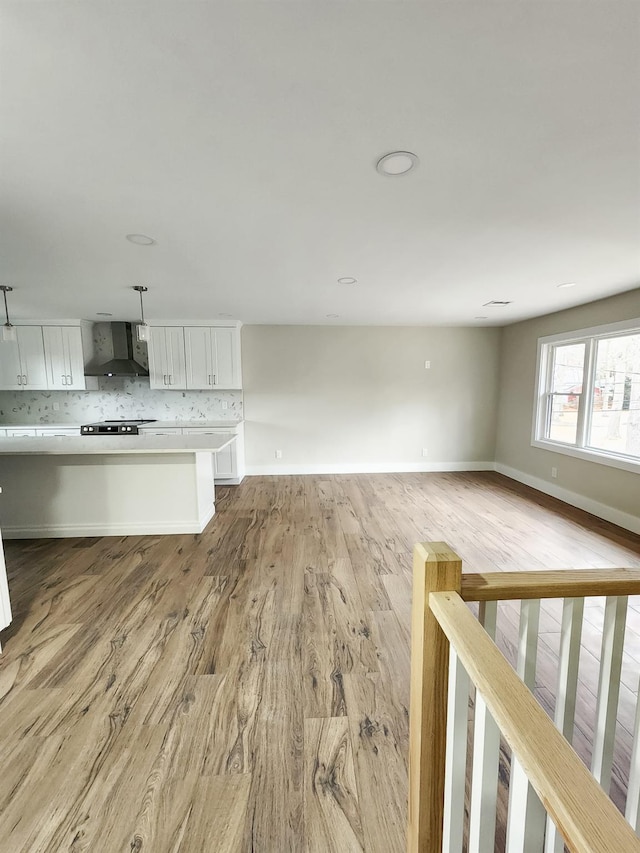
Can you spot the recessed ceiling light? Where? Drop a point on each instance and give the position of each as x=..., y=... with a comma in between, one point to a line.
x=497, y=303
x=568, y=284
x=103, y=314
x=348, y=280
x=397, y=163
x=480, y=318
x=333, y=316
x=222, y=314
x=141, y=239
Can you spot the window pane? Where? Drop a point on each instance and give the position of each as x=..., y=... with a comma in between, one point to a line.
x=563, y=418
x=615, y=419
x=567, y=369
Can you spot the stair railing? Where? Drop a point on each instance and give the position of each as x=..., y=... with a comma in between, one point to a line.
x=554, y=799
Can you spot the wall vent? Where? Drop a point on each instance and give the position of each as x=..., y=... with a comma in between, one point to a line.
x=497, y=303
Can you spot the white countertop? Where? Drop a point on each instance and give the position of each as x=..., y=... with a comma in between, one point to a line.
x=191, y=425
x=97, y=445
x=161, y=424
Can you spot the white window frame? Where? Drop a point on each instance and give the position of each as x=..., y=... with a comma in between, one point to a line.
x=590, y=338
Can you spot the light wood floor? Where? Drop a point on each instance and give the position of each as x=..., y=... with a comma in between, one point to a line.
x=247, y=689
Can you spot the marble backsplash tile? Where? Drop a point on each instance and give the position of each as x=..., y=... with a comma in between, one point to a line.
x=116, y=399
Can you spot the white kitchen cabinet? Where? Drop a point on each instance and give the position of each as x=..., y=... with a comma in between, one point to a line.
x=64, y=358
x=167, y=366
x=212, y=355
x=50, y=432
x=22, y=362
x=24, y=431
x=225, y=461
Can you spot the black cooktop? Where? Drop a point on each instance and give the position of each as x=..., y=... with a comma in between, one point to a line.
x=124, y=427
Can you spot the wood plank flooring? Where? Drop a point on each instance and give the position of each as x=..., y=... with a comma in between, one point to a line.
x=247, y=689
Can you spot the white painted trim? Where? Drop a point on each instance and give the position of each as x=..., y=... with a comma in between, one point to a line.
x=608, y=513
x=593, y=332
x=366, y=468
x=600, y=457
x=205, y=518
x=62, y=531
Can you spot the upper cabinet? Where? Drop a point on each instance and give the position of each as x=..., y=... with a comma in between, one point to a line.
x=64, y=359
x=43, y=358
x=195, y=358
x=167, y=358
x=22, y=363
x=212, y=357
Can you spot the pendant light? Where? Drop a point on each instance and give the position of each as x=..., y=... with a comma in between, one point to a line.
x=8, y=331
x=143, y=331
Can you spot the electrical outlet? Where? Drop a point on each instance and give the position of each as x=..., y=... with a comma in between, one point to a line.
x=554, y=473
x=425, y=452
x=427, y=365
x=225, y=405
x=278, y=454
x=55, y=407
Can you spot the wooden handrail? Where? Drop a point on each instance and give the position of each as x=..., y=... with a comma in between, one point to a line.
x=563, y=583
x=586, y=817
x=435, y=567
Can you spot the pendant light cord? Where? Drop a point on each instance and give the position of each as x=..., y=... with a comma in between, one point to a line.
x=142, y=310
x=141, y=289
x=5, y=289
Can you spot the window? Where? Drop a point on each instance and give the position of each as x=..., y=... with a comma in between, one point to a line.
x=588, y=394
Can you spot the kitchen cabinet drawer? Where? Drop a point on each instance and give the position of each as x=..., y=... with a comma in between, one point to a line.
x=14, y=432
x=52, y=431
x=160, y=430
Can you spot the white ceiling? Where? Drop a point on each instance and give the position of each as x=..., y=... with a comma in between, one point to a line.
x=243, y=137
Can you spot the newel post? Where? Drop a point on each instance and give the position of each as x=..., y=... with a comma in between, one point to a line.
x=436, y=568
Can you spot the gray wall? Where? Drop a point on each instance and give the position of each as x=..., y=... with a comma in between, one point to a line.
x=611, y=486
x=360, y=398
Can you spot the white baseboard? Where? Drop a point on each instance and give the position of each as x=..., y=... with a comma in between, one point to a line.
x=608, y=513
x=63, y=531
x=367, y=468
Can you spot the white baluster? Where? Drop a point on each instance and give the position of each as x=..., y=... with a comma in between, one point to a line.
x=486, y=754
x=632, y=811
x=527, y=817
x=568, y=664
x=615, y=614
x=456, y=758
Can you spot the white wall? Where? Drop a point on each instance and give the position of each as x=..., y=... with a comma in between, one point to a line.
x=353, y=398
x=609, y=492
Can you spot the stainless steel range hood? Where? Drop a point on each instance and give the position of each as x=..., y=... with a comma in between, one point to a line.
x=123, y=362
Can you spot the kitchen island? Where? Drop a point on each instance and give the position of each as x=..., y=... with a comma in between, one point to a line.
x=107, y=486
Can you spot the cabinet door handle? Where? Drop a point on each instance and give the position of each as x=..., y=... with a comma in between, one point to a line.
x=164, y=378
x=170, y=379
x=64, y=379
x=69, y=379
x=19, y=379
x=214, y=379
x=209, y=380
x=24, y=379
